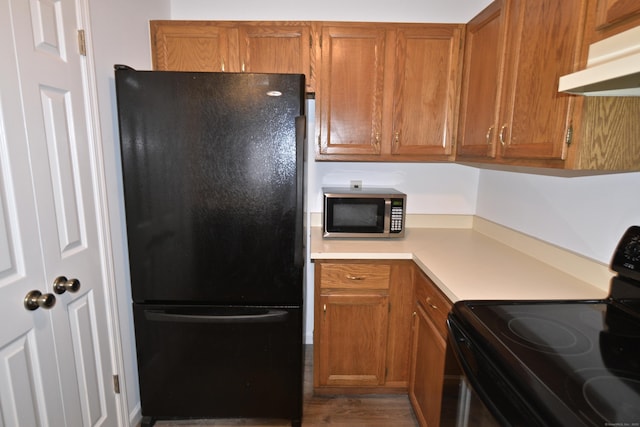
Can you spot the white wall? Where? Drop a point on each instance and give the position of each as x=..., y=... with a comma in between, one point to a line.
x=587, y=215
x=120, y=35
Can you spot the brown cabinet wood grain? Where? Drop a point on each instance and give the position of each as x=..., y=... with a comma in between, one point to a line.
x=275, y=48
x=427, y=375
x=350, y=90
x=428, y=352
x=193, y=46
x=519, y=113
x=483, y=75
x=234, y=46
x=427, y=77
x=387, y=92
x=354, y=336
x=362, y=326
x=615, y=16
x=543, y=43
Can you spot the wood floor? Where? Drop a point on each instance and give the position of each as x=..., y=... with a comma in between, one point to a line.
x=337, y=411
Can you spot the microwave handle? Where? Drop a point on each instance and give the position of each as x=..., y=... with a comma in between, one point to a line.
x=387, y=216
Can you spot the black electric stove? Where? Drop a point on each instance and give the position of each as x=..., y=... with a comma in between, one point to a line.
x=564, y=363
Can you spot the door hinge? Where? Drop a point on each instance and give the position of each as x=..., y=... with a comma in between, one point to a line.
x=568, y=139
x=116, y=384
x=82, y=43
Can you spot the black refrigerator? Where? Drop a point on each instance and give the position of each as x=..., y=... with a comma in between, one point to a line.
x=213, y=171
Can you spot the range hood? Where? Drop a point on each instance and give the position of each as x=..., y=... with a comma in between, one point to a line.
x=613, y=68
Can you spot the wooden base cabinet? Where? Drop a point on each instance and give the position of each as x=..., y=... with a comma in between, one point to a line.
x=362, y=326
x=428, y=352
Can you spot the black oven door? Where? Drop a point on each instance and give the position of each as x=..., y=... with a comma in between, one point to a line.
x=461, y=405
x=481, y=396
x=355, y=215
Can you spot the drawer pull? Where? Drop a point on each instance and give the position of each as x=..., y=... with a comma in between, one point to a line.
x=350, y=277
x=430, y=304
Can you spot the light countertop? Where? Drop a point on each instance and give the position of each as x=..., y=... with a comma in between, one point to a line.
x=467, y=264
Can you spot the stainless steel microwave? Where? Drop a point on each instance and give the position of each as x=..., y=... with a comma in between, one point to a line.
x=365, y=212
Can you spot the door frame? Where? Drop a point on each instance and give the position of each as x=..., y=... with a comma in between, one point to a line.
x=96, y=150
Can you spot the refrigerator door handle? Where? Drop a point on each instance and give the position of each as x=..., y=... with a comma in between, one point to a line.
x=301, y=126
x=269, y=316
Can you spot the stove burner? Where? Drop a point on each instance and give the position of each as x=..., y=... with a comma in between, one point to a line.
x=613, y=395
x=546, y=335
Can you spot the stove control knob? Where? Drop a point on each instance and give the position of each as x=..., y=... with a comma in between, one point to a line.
x=632, y=250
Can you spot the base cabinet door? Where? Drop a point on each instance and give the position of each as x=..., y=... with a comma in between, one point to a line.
x=362, y=326
x=354, y=337
x=427, y=376
x=428, y=352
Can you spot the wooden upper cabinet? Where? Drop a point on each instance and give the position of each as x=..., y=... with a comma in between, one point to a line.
x=233, y=46
x=388, y=92
x=350, y=90
x=193, y=46
x=483, y=65
x=544, y=42
x=511, y=112
x=615, y=16
x=426, y=88
x=270, y=48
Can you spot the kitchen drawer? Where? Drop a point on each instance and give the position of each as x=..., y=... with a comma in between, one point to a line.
x=435, y=304
x=354, y=276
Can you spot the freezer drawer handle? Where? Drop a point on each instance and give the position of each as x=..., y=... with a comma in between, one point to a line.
x=270, y=316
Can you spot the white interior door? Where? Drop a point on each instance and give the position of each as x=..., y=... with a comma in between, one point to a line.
x=55, y=365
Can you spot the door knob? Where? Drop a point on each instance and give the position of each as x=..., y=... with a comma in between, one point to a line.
x=61, y=285
x=36, y=299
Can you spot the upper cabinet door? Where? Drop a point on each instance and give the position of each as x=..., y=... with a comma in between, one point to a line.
x=349, y=93
x=193, y=46
x=426, y=88
x=282, y=48
x=544, y=43
x=483, y=65
x=615, y=16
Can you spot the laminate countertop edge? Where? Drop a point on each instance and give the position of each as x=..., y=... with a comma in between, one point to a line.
x=480, y=262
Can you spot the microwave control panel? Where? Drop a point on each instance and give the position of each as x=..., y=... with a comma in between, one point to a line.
x=397, y=210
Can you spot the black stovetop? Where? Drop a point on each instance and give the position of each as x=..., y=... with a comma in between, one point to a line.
x=559, y=362
x=577, y=359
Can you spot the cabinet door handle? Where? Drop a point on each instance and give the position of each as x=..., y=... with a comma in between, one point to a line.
x=222, y=66
x=431, y=304
x=350, y=277
x=502, y=129
x=324, y=308
x=489, y=132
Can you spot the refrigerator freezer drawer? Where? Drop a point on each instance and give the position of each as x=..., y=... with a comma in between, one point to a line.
x=219, y=362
